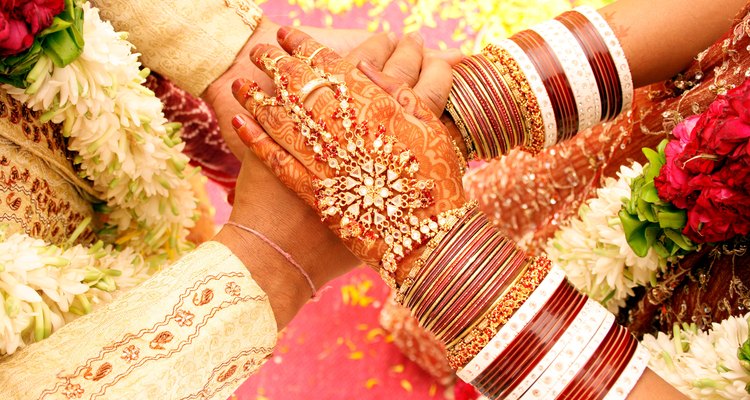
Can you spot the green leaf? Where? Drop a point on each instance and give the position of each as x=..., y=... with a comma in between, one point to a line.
x=58, y=24
x=62, y=48
x=674, y=219
x=661, y=250
x=635, y=233
x=649, y=193
x=645, y=211
x=679, y=239
x=652, y=234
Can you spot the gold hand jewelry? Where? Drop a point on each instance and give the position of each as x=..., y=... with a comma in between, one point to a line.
x=309, y=59
x=311, y=87
x=375, y=191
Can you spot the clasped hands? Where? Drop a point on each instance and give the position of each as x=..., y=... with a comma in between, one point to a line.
x=363, y=149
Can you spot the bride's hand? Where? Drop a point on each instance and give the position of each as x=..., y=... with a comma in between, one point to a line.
x=376, y=164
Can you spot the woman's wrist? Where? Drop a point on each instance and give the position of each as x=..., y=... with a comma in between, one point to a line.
x=541, y=86
x=513, y=324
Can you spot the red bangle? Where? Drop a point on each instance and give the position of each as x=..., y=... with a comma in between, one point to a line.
x=600, y=59
x=478, y=297
x=554, y=79
x=515, y=264
x=442, y=269
x=534, y=340
x=616, y=349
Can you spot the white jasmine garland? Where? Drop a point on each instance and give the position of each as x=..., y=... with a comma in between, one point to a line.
x=703, y=365
x=42, y=286
x=123, y=142
x=593, y=251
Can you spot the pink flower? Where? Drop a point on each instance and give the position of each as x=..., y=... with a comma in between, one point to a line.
x=39, y=13
x=672, y=180
x=707, y=169
x=14, y=35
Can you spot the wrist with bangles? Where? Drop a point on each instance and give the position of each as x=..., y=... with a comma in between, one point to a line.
x=541, y=86
x=512, y=325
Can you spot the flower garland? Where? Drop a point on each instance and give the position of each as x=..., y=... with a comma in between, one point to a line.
x=43, y=286
x=593, y=250
x=704, y=365
x=123, y=144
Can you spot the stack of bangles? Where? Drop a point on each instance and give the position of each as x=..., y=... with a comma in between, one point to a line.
x=513, y=326
x=541, y=86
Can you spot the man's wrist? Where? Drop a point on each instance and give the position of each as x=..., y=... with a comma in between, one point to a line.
x=286, y=289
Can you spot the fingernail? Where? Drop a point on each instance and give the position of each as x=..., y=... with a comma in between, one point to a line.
x=415, y=36
x=238, y=122
x=237, y=84
x=230, y=196
x=283, y=32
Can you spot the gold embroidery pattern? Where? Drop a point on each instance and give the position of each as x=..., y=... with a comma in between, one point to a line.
x=248, y=11
x=40, y=192
x=174, y=333
x=232, y=372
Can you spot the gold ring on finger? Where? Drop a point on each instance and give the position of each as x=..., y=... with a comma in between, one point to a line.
x=311, y=86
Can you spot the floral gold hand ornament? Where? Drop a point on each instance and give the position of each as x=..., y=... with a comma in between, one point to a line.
x=358, y=155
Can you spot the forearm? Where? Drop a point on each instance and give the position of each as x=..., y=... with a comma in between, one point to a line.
x=512, y=325
x=192, y=43
x=660, y=38
x=544, y=84
x=158, y=340
x=286, y=288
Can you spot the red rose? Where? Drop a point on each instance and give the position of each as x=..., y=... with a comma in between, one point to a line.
x=719, y=214
x=14, y=35
x=707, y=169
x=7, y=5
x=39, y=13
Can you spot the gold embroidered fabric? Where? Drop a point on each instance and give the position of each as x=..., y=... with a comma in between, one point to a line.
x=196, y=330
x=190, y=42
x=40, y=193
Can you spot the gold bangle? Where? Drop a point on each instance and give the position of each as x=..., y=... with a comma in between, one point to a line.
x=528, y=101
x=471, y=153
x=475, y=340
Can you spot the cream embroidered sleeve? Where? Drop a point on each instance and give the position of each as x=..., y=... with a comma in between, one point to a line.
x=191, y=42
x=194, y=331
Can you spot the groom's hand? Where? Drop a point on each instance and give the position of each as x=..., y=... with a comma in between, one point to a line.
x=344, y=41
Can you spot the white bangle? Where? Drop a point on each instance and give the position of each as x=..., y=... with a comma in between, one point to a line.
x=537, y=86
x=579, y=329
x=551, y=377
x=515, y=324
x=630, y=375
x=615, y=50
x=577, y=70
